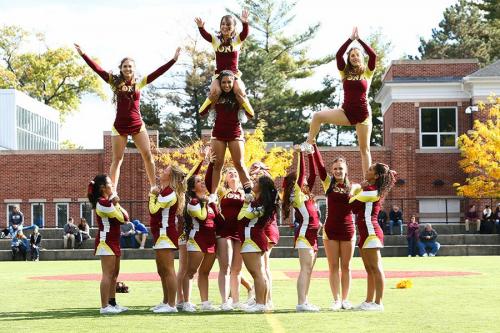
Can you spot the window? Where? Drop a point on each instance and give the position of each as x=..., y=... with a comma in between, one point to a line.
x=438, y=127
x=86, y=212
x=61, y=214
x=439, y=210
x=37, y=214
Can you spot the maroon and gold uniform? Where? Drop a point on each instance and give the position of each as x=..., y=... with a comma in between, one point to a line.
x=306, y=214
x=366, y=205
x=226, y=52
x=202, y=235
x=355, y=104
x=253, y=235
x=109, y=219
x=163, y=222
x=339, y=224
x=128, y=115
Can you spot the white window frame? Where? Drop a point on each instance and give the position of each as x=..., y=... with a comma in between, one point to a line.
x=438, y=133
x=12, y=204
x=91, y=222
x=56, y=209
x=33, y=215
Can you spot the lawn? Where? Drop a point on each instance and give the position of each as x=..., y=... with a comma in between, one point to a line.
x=434, y=304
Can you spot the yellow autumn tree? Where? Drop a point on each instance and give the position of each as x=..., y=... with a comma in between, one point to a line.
x=480, y=150
x=277, y=159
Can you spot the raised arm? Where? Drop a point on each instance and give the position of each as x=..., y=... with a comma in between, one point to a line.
x=197, y=209
x=92, y=64
x=201, y=28
x=248, y=212
x=106, y=209
x=340, y=54
x=244, y=20
x=301, y=165
x=323, y=175
x=208, y=176
x=312, y=172
x=372, y=56
x=161, y=201
x=160, y=71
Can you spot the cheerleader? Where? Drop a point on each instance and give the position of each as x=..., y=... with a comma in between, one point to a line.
x=227, y=133
x=255, y=215
x=107, y=243
x=366, y=205
x=338, y=232
x=164, y=208
x=226, y=45
x=200, y=215
x=297, y=193
x=127, y=92
x=355, y=111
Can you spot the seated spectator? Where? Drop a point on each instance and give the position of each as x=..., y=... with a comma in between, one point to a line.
x=70, y=232
x=428, y=245
x=412, y=235
x=19, y=243
x=395, y=217
x=83, y=232
x=487, y=221
x=496, y=218
x=141, y=233
x=35, y=240
x=127, y=236
x=382, y=220
x=472, y=217
x=16, y=218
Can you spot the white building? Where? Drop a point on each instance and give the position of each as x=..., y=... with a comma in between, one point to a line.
x=27, y=124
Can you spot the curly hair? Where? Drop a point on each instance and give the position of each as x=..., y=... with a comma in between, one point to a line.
x=268, y=196
x=288, y=185
x=95, y=187
x=190, y=194
x=349, y=69
x=178, y=184
x=386, y=179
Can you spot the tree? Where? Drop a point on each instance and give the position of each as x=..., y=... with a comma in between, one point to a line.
x=56, y=77
x=464, y=32
x=269, y=61
x=481, y=156
x=68, y=144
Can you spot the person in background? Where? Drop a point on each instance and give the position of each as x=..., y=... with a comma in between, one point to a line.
x=83, y=232
x=412, y=235
x=141, y=233
x=487, y=221
x=127, y=235
x=70, y=232
x=16, y=218
x=395, y=217
x=35, y=240
x=496, y=218
x=19, y=243
x=382, y=220
x=472, y=217
x=428, y=245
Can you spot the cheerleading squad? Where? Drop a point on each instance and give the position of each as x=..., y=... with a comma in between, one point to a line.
x=231, y=216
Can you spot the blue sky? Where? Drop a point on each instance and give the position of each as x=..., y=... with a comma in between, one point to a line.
x=150, y=30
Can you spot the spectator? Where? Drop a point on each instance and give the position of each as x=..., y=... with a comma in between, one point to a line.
x=16, y=218
x=141, y=233
x=496, y=218
x=471, y=217
x=382, y=220
x=487, y=221
x=19, y=243
x=83, y=232
x=35, y=240
x=127, y=235
x=395, y=217
x=70, y=232
x=412, y=236
x=428, y=242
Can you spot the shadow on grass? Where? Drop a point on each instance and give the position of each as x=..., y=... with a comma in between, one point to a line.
x=75, y=313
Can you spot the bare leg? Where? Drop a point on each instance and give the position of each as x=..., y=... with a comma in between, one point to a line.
x=118, y=144
x=142, y=143
x=239, y=91
x=364, y=132
x=215, y=91
x=267, y=270
x=203, y=272
x=373, y=260
x=237, y=151
x=330, y=116
x=253, y=263
x=193, y=263
x=219, y=148
x=108, y=269
x=166, y=271
x=236, y=264
x=224, y=254
x=306, y=259
x=346, y=253
x=332, y=250
x=116, y=271
x=183, y=287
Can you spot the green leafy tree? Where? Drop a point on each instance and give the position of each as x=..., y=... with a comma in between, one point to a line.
x=56, y=77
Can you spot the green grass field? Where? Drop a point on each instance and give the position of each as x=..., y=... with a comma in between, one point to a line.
x=437, y=304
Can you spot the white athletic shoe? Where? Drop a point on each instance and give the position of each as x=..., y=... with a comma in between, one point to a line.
x=346, y=305
x=157, y=306
x=256, y=308
x=227, y=306
x=424, y=255
x=432, y=255
x=165, y=309
x=188, y=307
x=362, y=306
x=306, y=308
x=251, y=294
x=374, y=307
x=179, y=306
x=207, y=306
x=306, y=147
x=121, y=308
x=109, y=310
x=239, y=306
x=336, y=305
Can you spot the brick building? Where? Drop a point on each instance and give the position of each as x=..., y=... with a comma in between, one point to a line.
x=426, y=105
